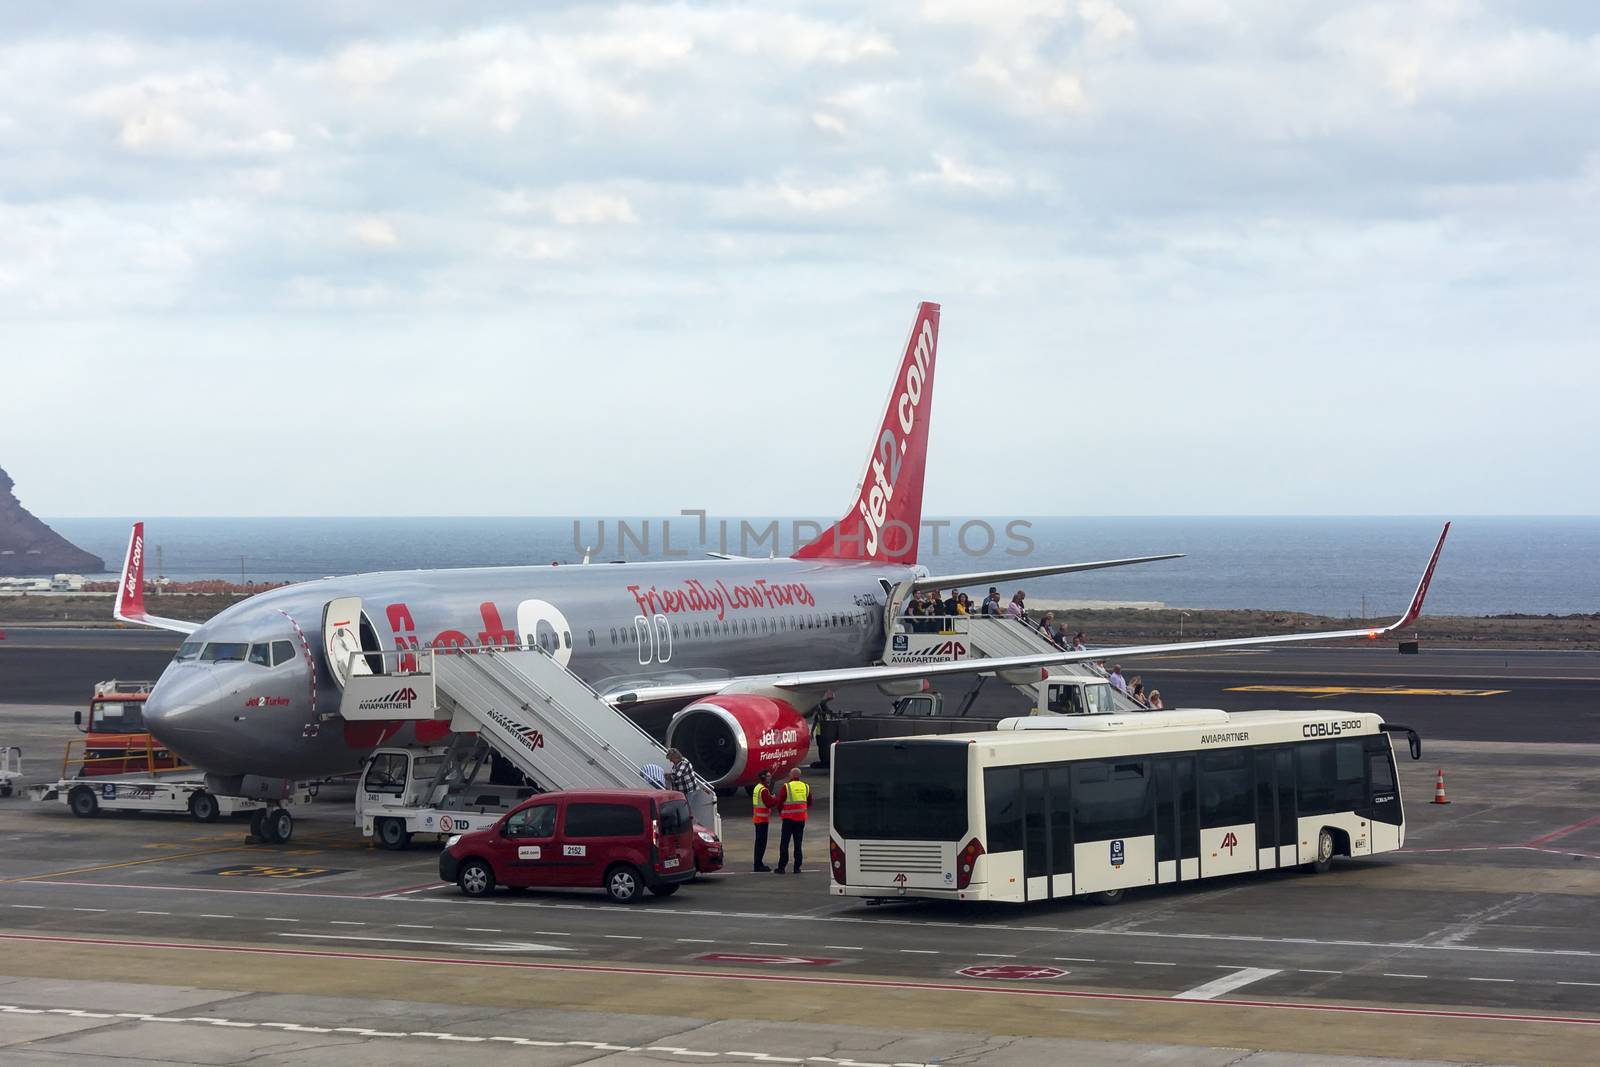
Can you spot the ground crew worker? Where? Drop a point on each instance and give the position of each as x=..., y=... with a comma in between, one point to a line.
x=762, y=801
x=796, y=803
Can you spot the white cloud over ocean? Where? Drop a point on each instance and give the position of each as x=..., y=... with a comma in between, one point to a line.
x=1219, y=257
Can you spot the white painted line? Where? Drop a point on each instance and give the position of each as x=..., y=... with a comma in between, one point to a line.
x=696, y=940
x=1595, y=984
x=483, y=930
x=625, y=937
x=273, y=919
x=88, y=909
x=30, y=907
x=1386, y=974
x=506, y=946
x=1314, y=970
x=1153, y=963
x=1491, y=979
x=846, y=948
x=209, y=915
x=922, y=951
x=997, y=955
x=413, y=926
x=152, y=913
x=1227, y=983
x=1072, y=959
x=344, y=922
x=771, y=944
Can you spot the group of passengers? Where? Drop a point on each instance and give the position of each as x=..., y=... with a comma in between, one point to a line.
x=1133, y=687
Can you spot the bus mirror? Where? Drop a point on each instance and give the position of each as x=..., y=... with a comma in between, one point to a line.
x=1414, y=740
x=77, y=719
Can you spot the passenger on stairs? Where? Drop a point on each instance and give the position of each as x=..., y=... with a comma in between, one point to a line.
x=991, y=603
x=1155, y=700
x=682, y=776
x=1016, y=609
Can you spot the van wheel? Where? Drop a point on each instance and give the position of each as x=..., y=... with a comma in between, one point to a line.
x=475, y=879
x=664, y=890
x=204, y=807
x=392, y=834
x=623, y=884
x=1324, y=858
x=83, y=802
x=1108, y=896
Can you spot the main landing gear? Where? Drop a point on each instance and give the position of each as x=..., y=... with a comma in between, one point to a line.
x=272, y=826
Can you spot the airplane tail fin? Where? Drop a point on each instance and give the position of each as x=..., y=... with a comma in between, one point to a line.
x=886, y=517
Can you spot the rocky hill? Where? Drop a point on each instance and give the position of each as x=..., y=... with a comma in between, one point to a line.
x=29, y=547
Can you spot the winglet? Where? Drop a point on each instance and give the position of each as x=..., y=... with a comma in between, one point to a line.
x=886, y=517
x=1422, y=587
x=129, y=606
x=130, y=590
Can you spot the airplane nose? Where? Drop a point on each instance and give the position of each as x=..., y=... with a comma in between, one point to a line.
x=184, y=712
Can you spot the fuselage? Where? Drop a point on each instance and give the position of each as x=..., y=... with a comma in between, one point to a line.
x=252, y=691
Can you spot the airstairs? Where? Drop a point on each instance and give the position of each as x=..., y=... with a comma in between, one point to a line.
x=534, y=712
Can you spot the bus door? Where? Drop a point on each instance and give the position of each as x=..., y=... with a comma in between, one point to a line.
x=1035, y=835
x=1277, y=818
x=1177, y=821
x=1383, y=796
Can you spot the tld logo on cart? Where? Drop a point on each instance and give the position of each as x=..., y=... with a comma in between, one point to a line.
x=1119, y=853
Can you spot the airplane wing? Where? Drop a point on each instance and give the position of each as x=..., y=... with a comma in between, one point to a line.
x=130, y=590
x=957, y=581
x=828, y=679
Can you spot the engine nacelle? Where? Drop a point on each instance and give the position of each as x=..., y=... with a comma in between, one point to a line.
x=730, y=739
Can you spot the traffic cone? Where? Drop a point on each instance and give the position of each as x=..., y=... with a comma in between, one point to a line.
x=1438, y=789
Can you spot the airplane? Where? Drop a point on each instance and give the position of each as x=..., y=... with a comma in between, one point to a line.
x=731, y=654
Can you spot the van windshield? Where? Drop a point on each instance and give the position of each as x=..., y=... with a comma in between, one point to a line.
x=901, y=790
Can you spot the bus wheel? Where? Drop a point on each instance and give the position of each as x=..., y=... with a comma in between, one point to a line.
x=83, y=802
x=1324, y=858
x=392, y=834
x=204, y=807
x=1107, y=896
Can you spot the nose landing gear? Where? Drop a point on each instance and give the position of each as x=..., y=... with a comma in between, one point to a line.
x=272, y=826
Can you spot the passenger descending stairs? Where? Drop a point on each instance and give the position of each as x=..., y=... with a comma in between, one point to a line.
x=548, y=723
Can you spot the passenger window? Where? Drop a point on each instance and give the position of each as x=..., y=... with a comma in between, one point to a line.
x=282, y=652
x=1225, y=789
x=566, y=638
x=261, y=655
x=604, y=820
x=613, y=635
x=537, y=821
x=591, y=638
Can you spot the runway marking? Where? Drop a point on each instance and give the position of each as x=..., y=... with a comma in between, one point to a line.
x=1227, y=983
x=1388, y=975
x=1365, y=690
x=427, y=1035
x=507, y=946
x=1314, y=970
x=1563, y=832
x=842, y=982
x=1153, y=963
x=126, y=863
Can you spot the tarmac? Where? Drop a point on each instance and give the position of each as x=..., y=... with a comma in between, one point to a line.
x=132, y=939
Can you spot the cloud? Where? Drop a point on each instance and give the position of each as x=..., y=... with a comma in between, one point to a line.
x=1163, y=197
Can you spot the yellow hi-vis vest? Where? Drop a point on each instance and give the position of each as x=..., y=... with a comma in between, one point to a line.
x=760, y=812
x=796, y=796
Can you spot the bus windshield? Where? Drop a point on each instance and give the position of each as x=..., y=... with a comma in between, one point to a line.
x=901, y=790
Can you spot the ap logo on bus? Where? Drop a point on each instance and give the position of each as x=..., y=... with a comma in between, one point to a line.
x=1118, y=853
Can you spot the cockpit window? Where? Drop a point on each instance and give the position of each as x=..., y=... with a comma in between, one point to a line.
x=189, y=649
x=261, y=655
x=224, y=651
x=282, y=652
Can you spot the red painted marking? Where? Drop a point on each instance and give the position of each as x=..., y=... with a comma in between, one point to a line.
x=1574, y=828
x=430, y=731
x=780, y=961
x=816, y=980
x=1011, y=972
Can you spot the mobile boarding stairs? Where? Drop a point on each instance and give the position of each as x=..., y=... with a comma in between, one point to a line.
x=534, y=712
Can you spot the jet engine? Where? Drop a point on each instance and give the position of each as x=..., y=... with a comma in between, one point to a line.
x=730, y=739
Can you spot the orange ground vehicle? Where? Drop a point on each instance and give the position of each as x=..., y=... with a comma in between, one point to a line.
x=115, y=740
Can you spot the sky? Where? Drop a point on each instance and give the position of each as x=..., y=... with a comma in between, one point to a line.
x=1194, y=257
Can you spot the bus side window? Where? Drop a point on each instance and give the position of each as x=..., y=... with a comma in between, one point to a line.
x=1350, y=769
x=1002, y=791
x=1226, y=795
x=1315, y=764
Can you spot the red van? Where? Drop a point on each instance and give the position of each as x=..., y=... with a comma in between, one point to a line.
x=622, y=840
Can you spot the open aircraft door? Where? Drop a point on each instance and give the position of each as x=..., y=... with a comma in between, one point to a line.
x=345, y=630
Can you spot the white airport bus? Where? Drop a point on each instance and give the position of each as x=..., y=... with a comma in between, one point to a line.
x=1094, y=805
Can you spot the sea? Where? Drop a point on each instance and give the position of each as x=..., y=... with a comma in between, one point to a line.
x=1341, y=566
